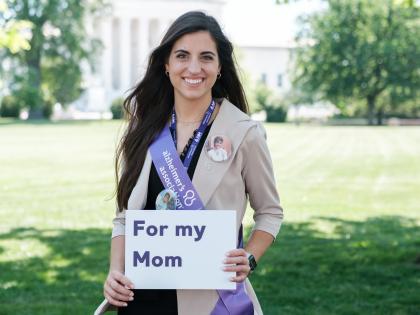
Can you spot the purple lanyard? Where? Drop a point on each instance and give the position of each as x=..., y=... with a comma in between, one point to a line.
x=198, y=135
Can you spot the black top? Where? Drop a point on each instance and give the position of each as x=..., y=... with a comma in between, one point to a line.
x=161, y=302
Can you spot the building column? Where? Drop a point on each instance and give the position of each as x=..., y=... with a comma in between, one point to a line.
x=143, y=44
x=135, y=54
x=106, y=60
x=125, y=54
x=163, y=27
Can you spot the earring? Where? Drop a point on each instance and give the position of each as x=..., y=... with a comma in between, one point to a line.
x=219, y=75
x=167, y=73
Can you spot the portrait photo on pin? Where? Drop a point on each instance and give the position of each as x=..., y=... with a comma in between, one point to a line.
x=166, y=200
x=219, y=148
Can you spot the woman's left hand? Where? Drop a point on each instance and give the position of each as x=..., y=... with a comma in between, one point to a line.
x=239, y=260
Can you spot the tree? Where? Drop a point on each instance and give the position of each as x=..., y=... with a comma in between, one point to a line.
x=361, y=50
x=50, y=71
x=274, y=106
x=14, y=36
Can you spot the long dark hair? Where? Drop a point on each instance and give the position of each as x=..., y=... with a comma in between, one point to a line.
x=149, y=104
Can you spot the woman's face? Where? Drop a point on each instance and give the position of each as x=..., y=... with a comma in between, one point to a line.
x=166, y=198
x=193, y=66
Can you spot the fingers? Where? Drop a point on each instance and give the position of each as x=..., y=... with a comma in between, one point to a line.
x=112, y=301
x=120, y=283
x=238, y=261
x=117, y=296
x=239, y=278
x=236, y=252
x=116, y=289
x=242, y=260
x=237, y=268
x=122, y=279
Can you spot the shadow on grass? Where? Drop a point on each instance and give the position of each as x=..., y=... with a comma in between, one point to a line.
x=355, y=267
x=325, y=266
x=66, y=278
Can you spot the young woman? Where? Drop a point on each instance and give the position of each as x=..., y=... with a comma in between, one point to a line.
x=192, y=92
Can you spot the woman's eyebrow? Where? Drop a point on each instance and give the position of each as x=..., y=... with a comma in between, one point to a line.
x=181, y=51
x=208, y=52
x=202, y=53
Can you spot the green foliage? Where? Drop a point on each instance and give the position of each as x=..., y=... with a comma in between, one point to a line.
x=10, y=107
x=249, y=89
x=51, y=69
x=276, y=113
x=275, y=108
x=25, y=91
x=117, y=108
x=12, y=32
x=61, y=80
x=408, y=109
x=263, y=95
x=361, y=49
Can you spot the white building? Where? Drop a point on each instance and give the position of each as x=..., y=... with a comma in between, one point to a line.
x=134, y=27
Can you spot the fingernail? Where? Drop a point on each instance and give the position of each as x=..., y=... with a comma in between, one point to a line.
x=224, y=261
x=124, y=304
x=231, y=279
x=131, y=294
x=131, y=298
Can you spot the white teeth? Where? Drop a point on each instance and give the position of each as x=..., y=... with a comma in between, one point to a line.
x=190, y=81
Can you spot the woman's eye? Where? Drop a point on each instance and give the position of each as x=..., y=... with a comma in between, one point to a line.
x=208, y=57
x=181, y=56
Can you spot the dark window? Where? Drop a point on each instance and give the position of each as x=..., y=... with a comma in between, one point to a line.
x=279, y=80
x=264, y=78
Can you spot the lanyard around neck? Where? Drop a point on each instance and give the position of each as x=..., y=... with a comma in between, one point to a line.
x=200, y=131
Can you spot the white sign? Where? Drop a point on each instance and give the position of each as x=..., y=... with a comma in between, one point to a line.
x=179, y=249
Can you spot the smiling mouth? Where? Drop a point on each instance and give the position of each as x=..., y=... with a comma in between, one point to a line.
x=193, y=82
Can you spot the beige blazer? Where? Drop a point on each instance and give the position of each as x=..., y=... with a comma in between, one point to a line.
x=247, y=174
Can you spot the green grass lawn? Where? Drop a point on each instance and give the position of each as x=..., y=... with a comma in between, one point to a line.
x=350, y=243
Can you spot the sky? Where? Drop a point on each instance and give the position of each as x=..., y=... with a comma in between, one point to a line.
x=263, y=23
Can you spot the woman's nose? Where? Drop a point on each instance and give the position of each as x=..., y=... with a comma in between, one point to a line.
x=194, y=66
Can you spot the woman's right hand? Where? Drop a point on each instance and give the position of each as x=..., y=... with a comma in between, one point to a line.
x=117, y=289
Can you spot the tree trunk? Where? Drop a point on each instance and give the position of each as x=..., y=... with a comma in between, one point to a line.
x=380, y=116
x=297, y=119
x=33, y=62
x=371, y=109
x=36, y=113
x=35, y=107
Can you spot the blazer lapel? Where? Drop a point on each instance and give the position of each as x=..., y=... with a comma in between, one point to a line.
x=208, y=174
x=138, y=196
